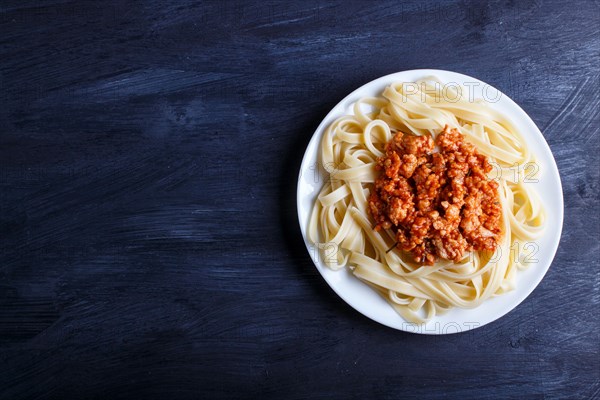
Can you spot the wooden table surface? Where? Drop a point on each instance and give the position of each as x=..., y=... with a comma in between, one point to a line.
x=149, y=153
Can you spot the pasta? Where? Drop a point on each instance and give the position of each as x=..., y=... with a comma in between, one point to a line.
x=341, y=226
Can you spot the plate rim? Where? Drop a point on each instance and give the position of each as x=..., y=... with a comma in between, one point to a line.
x=317, y=134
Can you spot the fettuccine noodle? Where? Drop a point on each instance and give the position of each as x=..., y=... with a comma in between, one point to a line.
x=341, y=226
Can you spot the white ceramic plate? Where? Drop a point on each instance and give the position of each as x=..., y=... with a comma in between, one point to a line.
x=366, y=300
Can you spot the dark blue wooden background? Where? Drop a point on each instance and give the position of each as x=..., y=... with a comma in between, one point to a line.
x=149, y=246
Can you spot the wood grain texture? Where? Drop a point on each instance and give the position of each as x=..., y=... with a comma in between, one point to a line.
x=149, y=243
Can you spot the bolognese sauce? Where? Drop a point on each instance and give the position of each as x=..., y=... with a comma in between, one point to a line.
x=439, y=204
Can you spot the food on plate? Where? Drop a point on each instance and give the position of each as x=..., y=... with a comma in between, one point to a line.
x=429, y=198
